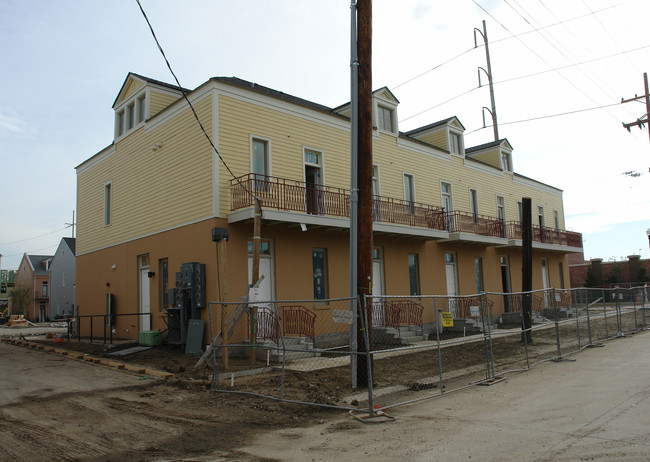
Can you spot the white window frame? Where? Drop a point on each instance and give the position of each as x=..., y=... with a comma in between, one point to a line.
x=450, y=194
x=268, y=153
x=376, y=182
x=380, y=118
x=473, y=201
x=556, y=219
x=108, y=203
x=412, y=181
x=501, y=206
x=506, y=165
x=461, y=143
x=141, y=104
x=520, y=211
x=320, y=164
x=540, y=213
x=125, y=121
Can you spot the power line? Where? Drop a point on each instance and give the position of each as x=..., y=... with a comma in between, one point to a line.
x=440, y=104
x=36, y=237
x=153, y=33
x=433, y=68
x=541, y=58
x=548, y=116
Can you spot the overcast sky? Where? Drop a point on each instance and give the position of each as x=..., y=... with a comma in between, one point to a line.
x=63, y=63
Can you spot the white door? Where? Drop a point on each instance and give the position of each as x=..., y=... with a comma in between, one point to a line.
x=266, y=323
x=452, y=283
x=545, y=283
x=145, y=303
x=377, y=292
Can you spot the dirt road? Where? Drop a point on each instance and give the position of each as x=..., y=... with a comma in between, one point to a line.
x=596, y=408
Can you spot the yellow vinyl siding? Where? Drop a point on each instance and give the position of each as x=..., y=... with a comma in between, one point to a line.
x=177, y=187
x=288, y=134
x=489, y=157
x=438, y=138
x=160, y=101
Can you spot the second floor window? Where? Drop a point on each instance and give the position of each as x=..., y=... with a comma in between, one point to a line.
x=108, y=199
x=454, y=143
x=385, y=119
x=501, y=208
x=260, y=163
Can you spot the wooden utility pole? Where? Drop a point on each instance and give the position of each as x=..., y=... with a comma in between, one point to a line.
x=526, y=266
x=645, y=118
x=257, y=239
x=493, y=111
x=364, y=182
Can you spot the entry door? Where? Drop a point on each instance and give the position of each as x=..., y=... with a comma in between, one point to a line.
x=505, y=283
x=145, y=293
x=266, y=287
x=378, y=317
x=452, y=283
x=312, y=193
x=545, y=282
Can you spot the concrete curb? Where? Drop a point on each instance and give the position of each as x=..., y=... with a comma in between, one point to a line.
x=82, y=357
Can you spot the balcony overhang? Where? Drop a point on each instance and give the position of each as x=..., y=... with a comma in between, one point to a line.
x=475, y=239
x=281, y=216
x=546, y=247
x=323, y=221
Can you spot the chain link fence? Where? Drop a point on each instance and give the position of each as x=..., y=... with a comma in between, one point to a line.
x=314, y=351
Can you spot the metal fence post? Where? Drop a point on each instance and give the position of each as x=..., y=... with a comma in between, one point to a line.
x=588, y=323
x=487, y=336
x=525, y=334
x=577, y=323
x=605, y=313
x=557, y=329
x=619, y=315
x=438, y=314
x=366, y=338
x=644, y=298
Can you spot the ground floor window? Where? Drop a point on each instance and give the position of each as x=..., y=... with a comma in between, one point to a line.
x=319, y=261
x=414, y=274
x=478, y=268
x=163, y=270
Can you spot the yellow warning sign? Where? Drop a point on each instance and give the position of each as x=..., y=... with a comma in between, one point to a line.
x=447, y=319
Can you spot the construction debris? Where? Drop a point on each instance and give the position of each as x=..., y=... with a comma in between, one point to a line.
x=18, y=320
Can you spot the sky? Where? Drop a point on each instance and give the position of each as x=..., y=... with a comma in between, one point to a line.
x=560, y=70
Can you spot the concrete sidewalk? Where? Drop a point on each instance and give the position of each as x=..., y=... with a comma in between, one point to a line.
x=596, y=408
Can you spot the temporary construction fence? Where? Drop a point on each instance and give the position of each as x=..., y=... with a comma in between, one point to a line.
x=314, y=351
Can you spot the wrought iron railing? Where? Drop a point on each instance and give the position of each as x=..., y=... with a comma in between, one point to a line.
x=464, y=222
x=546, y=235
x=298, y=196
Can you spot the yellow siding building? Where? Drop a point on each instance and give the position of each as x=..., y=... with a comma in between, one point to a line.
x=147, y=203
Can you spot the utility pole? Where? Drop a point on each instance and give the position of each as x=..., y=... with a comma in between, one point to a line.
x=354, y=188
x=493, y=111
x=364, y=182
x=526, y=267
x=644, y=118
x=71, y=225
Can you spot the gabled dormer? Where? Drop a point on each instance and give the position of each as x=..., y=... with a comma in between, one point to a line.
x=446, y=134
x=384, y=108
x=139, y=99
x=498, y=154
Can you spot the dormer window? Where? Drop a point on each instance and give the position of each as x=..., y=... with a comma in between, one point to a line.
x=506, y=161
x=385, y=119
x=455, y=143
x=131, y=115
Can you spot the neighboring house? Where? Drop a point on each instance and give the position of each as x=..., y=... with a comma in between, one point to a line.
x=446, y=216
x=62, y=279
x=34, y=273
x=597, y=273
x=7, y=283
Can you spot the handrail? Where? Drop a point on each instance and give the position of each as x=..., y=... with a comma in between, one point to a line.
x=105, y=323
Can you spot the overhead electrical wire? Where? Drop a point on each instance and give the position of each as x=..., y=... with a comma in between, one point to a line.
x=153, y=33
x=542, y=59
x=571, y=58
x=548, y=116
x=36, y=237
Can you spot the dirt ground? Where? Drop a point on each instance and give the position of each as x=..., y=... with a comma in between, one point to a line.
x=181, y=418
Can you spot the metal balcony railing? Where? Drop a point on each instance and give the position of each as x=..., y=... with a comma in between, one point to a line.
x=464, y=222
x=546, y=235
x=298, y=196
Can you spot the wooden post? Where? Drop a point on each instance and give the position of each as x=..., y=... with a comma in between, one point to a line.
x=364, y=250
x=257, y=231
